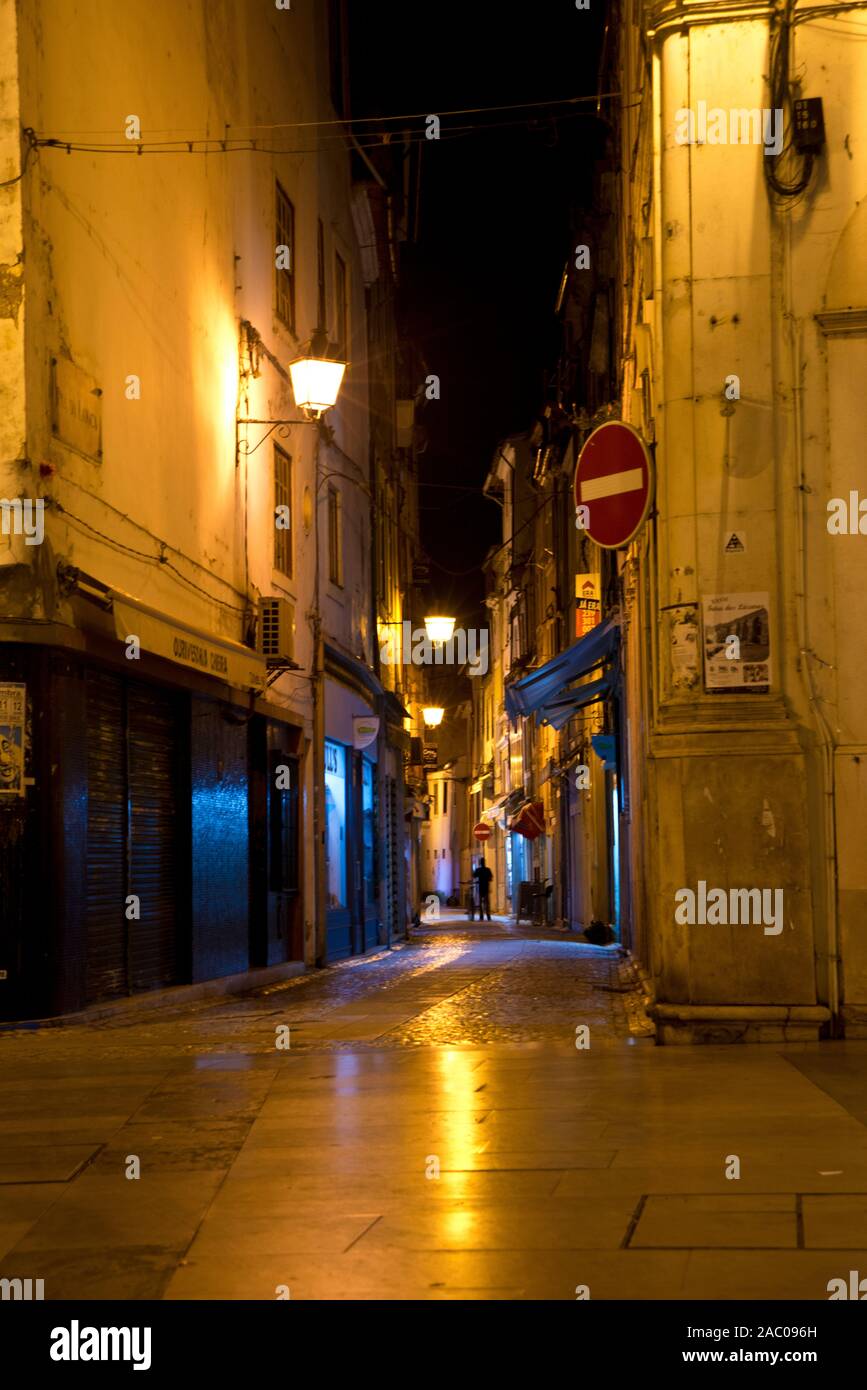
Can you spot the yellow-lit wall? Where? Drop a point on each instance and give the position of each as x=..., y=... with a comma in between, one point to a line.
x=733, y=789
x=144, y=265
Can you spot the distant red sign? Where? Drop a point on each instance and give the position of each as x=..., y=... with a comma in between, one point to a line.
x=614, y=481
x=482, y=831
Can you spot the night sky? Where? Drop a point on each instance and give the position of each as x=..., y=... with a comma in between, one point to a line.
x=481, y=284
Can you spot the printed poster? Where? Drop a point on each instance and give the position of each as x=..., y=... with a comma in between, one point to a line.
x=12, y=714
x=588, y=603
x=685, y=647
x=737, y=642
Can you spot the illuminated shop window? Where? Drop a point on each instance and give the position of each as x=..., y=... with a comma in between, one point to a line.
x=335, y=825
x=368, y=818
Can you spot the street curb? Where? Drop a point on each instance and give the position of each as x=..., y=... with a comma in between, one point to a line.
x=178, y=996
x=641, y=976
x=160, y=999
x=633, y=974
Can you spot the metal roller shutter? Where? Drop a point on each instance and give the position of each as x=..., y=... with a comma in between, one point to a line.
x=106, y=838
x=152, y=727
x=133, y=837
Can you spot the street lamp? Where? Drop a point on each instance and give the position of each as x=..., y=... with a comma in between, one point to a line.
x=432, y=715
x=438, y=628
x=316, y=380
x=316, y=384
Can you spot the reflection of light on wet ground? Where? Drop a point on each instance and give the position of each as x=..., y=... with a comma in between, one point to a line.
x=456, y=989
x=459, y=1081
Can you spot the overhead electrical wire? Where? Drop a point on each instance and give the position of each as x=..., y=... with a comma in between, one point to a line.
x=214, y=144
x=375, y=120
x=781, y=100
x=462, y=574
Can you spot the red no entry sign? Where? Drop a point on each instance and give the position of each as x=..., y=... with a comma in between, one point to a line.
x=482, y=831
x=614, y=481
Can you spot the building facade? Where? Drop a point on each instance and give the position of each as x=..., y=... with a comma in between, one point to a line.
x=690, y=697
x=742, y=344
x=195, y=782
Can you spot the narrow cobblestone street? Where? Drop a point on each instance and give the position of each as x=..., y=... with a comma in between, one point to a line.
x=432, y=1130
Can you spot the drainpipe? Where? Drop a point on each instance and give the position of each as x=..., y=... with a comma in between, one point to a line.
x=805, y=656
x=318, y=688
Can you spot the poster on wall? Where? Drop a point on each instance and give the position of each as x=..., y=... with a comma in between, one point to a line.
x=737, y=642
x=12, y=715
x=684, y=648
x=588, y=603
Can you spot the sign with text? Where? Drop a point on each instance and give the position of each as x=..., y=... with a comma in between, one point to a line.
x=76, y=408
x=211, y=656
x=737, y=642
x=365, y=727
x=588, y=603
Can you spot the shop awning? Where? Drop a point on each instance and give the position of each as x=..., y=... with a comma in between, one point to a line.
x=176, y=641
x=560, y=710
x=343, y=667
x=529, y=820
x=492, y=813
x=541, y=686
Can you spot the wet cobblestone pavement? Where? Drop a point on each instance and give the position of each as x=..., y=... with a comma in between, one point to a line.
x=455, y=984
x=432, y=1132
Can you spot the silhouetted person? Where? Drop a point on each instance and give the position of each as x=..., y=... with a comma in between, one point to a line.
x=483, y=876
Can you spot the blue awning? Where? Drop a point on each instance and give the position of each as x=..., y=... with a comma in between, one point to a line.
x=541, y=686
x=560, y=710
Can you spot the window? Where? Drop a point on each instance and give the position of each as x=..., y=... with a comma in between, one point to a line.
x=341, y=308
x=335, y=558
x=320, y=275
x=335, y=825
x=285, y=260
x=445, y=797
x=282, y=511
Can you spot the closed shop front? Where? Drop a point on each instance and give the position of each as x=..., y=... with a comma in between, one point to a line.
x=137, y=861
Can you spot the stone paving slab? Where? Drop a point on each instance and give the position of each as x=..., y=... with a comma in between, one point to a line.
x=113, y=1213
x=698, y=1222
x=768, y=1274
x=311, y=1167
x=49, y=1163
x=835, y=1221
x=500, y=1274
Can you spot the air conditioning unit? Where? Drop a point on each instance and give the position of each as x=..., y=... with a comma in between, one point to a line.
x=276, y=629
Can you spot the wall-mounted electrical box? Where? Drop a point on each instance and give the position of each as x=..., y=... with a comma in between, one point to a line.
x=809, y=125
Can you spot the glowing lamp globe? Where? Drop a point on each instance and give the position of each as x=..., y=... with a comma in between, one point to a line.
x=316, y=383
x=439, y=629
x=432, y=715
